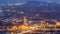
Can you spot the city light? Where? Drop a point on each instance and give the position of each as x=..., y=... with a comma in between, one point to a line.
x=30, y=17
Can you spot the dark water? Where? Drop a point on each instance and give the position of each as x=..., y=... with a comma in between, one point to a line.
x=41, y=32
x=4, y=32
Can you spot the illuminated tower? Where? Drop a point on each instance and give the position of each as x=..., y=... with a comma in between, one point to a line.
x=25, y=21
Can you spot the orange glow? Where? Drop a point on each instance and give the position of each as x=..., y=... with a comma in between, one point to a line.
x=58, y=23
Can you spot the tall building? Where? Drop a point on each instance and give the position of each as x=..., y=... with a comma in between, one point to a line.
x=25, y=21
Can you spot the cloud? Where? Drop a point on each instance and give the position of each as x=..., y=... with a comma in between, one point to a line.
x=19, y=3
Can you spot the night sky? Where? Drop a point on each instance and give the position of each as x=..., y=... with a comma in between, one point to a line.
x=15, y=1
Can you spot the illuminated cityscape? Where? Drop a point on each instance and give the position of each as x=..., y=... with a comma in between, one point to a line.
x=31, y=17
